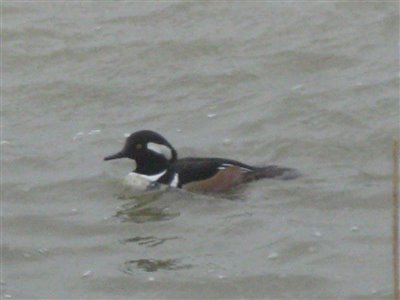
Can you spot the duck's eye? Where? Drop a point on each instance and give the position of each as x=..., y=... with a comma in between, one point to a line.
x=139, y=146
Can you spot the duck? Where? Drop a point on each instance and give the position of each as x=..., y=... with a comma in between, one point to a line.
x=157, y=161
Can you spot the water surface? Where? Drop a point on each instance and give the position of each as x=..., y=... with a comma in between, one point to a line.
x=307, y=85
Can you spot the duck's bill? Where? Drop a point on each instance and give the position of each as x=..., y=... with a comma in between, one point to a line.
x=115, y=156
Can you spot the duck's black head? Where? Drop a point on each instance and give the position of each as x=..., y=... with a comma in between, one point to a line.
x=152, y=152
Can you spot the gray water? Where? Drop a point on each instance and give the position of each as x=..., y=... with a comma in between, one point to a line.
x=309, y=85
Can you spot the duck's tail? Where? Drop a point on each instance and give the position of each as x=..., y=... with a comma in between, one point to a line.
x=273, y=172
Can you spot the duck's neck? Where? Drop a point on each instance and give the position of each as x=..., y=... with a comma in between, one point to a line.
x=151, y=165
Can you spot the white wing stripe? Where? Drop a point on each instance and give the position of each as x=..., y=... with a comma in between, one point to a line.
x=224, y=166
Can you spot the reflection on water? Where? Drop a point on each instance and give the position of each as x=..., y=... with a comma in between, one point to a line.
x=149, y=241
x=153, y=265
x=145, y=207
x=138, y=214
x=126, y=192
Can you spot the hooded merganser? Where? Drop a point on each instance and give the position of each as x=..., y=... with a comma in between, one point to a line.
x=157, y=161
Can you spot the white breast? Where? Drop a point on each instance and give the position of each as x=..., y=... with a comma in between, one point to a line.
x=140, y=181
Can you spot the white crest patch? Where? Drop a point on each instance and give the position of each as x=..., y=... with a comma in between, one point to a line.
x=160, y=149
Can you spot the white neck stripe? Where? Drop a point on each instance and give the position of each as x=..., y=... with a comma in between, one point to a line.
x=175, y=181
x=154, y=177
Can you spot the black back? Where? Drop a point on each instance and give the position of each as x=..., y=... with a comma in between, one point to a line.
x=197, y=168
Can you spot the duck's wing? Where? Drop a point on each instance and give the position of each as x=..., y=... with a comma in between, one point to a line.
x=219, y=174
x=210, y=171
